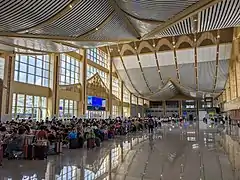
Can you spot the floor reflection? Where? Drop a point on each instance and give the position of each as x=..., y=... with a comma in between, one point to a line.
x=74, y=164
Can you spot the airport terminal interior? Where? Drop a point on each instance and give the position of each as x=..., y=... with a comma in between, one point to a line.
x=150, y=88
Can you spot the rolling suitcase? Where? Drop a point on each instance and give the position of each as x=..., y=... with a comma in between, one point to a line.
x=58, y=147
x=73, y=144
x=98, y=142
x=40, y=152
x=80, y=142
x=28, y=152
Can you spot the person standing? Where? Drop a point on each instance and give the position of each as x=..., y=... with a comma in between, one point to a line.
x=150, y=125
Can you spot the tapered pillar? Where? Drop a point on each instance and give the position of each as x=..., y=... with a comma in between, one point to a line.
x=1, y=92
x=84, y=84
x=137, y=107
x=180, y=108
x=8, y=78
x=164, y=107
x=130, y=104
x=110, y=87
x=122, y=98
x=53, y=104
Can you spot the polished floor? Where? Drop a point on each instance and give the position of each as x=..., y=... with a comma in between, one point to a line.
x=171, y=153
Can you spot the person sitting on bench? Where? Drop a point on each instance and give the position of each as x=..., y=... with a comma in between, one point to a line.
x=16, y=143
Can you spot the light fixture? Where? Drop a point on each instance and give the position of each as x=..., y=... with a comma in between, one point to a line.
x=218, y=36
x=70, y=6
x=173, y=42
x=153, y=45
x=173, y=46
x=195, y=20
x=195, y=39
x=96, y=29
x=135, y=47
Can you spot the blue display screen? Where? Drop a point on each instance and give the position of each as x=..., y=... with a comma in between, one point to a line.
x=96, y=101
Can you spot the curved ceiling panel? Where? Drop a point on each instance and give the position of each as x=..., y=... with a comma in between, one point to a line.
x=118, y=63
x=138, y=80
x=187, y=75
x=83, y=17
x=131, y=62
x=143, y=27
x=206, y=74
x=222, y=75
x=180, y=28
x=205, y=54
x=154, y=10
x=153, y=78
x=168, y=91
x=147, y=60
x=165, y=58
x=114, y=29
x=225, y=51
x=36, y=44
x=123, y=75
x=185, y=56
x=221, y=15
x=22, y=14
x=168, y=72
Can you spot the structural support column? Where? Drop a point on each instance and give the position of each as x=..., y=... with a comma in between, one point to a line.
x=7, y=84
x=53, y=104
x=122, y=98
x=84, y=84
x=164, y=107
x=180, y=108
x=130, y=104
x=137, y=107
x=1, y=95
x=110, y=88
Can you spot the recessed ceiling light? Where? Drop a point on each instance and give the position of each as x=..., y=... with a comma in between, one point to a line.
x=70, y=6
x=96, y=29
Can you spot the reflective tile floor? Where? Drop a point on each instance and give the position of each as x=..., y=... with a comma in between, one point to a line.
x=171, y=153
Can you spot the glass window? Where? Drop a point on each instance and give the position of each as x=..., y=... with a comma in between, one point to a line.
x=31, y=108
x=32, y=69
x=23, y=67
x=68, y=108
x=31, y=60
x=69, y=70
x=22, y=77
x=98, y=56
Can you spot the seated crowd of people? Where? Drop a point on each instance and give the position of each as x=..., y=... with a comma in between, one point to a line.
x=35, y=140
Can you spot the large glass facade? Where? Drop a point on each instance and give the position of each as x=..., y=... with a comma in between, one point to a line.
x=2, y=62
x=29, y=106
x=126, y=95
x=69, y=70
x=115, y=87
x=32, y=69
x=91, y=71
x=98, y=56
x=115, y=111
x=134, y=100
x=140, y=101
x=68, y=108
